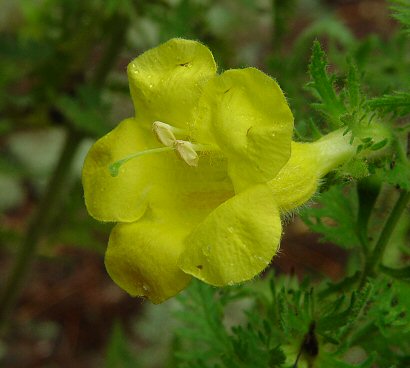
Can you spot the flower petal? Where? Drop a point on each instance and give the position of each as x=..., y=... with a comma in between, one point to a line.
x=142, y=257
x=160, y=180
x=250, y=120
x=166, y=81
x=236, y=241
x=121, y=198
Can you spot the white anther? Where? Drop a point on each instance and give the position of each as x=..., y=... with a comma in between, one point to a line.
x=164, y=133
x=186, y=151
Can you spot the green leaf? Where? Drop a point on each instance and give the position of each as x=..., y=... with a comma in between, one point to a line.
x=277, y=357
x=398, y=175
x=203, y=329
x=282, y=12
x=336, y=217
x=361, y=300
x=401, y=11
x=397, y=103
x=334, y=321
x=379, y=145
x=322, y=85
x=86, y=112
x=397, y=273
x=353, y=85
x=355, y=169
x=390, y=307
x=327, y=360
x=347, y=283
x=118, y=353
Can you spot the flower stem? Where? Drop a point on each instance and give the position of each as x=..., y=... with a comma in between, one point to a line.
x=36, y=228
x=377, y=254
x=56, y=185
x=119, y=26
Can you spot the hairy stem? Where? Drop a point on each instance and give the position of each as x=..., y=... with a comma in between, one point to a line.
x=47, y=206
x=368, y=190
x=119, y=26
x=56, y=185
x=377, y=254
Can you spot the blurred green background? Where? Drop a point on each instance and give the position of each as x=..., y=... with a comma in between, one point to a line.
x=63, y=84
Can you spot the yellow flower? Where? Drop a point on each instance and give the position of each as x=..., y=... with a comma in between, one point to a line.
x=197, y=180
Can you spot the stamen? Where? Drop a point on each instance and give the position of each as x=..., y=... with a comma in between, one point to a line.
x=165, y=133
x=186, y=151
x=115, y=167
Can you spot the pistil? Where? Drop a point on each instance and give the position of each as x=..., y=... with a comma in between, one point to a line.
x=115, y=167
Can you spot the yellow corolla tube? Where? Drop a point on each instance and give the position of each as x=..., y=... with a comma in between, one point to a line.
x=297, y=181
x=198, y=179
